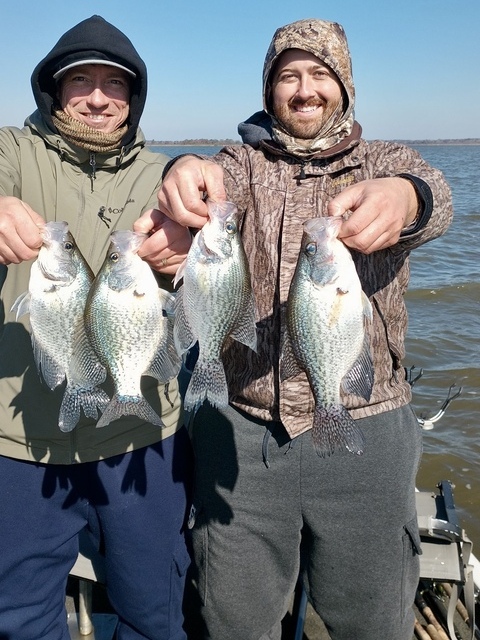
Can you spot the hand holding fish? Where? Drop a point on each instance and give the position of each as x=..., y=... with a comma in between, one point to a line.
x=168, y=243
x=182, y=194
x=20, y=231
x=380, y=208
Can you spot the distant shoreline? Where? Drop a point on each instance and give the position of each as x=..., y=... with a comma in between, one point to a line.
x=221, y=143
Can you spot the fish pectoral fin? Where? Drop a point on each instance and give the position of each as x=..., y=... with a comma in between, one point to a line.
x=166, y=364
x=167, y=300
x=367, y=307
x=245, y=331
x=21, y=304
x=182, y=333
x=359, y=380
x=180, y=273
x=289, y=366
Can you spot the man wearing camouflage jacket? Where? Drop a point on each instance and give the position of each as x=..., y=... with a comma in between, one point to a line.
x=346, y=523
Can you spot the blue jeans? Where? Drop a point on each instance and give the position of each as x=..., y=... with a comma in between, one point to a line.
x=134, y=505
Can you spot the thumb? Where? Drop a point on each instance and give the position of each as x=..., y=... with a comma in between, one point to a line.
x=339, y=205
x=213, y=177
x=32, y=239
x=149, y=221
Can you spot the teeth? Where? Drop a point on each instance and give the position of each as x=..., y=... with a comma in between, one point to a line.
x=98, y=117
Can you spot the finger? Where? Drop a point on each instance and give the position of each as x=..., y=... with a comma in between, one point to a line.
x=148, y=221
x=182, y=196
x=16, y=251
x=368, y=242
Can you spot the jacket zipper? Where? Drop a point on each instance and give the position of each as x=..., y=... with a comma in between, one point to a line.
x=93, y=165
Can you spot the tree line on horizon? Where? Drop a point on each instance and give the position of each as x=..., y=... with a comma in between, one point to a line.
x=197, y=142
x=220, y=142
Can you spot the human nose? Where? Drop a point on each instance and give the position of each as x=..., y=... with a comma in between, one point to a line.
x=97, y=98
x=306, y=88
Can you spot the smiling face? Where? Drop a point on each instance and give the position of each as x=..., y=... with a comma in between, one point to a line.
x=305, y=93
x=97, y=95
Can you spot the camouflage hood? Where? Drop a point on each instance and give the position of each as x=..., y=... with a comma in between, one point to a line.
x=327, y=41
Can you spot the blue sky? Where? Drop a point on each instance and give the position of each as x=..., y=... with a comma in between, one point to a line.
x=416, y=63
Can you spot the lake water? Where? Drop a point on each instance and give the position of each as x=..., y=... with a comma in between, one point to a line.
x=444, y=333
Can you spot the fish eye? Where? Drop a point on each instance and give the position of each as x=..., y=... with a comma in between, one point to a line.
x=114, y=256
x=230, y=227
x=68, y=246
x=311, y=249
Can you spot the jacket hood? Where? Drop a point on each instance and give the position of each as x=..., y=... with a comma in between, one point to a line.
x=96, y=39
x=327, y=41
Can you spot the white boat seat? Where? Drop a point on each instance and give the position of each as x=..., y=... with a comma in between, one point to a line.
x=446, y=549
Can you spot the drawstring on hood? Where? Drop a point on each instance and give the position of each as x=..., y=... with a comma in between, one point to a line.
x=327, y=41
x=93, y=38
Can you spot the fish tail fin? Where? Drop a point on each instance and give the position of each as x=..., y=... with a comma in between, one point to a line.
x=129, y=406
x=208, y=382
x=90, y=400
x=335, y=430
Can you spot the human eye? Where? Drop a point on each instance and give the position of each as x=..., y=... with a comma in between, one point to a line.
x=286, y=76
x=321, y=73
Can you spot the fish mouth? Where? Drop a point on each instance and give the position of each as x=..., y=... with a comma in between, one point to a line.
x=53, y=232
x=124, y=240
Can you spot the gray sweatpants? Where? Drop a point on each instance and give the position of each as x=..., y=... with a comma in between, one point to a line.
x=347, y=523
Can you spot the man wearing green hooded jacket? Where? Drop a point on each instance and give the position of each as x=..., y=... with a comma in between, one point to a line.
x=81, y=158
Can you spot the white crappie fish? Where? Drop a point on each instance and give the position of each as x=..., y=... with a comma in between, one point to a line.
x=127, y=323
x=325, y=337
x=214, y=303
x=60, y=279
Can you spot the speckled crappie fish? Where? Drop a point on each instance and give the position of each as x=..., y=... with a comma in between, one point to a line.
x=215, y=303
x=127, y=322
x=59, y=283
x=325, y=337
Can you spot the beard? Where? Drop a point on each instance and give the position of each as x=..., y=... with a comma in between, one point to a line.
x=300, y=128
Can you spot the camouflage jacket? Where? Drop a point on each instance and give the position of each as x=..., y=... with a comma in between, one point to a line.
x=277, y=193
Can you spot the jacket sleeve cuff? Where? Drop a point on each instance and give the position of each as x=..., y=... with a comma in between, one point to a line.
x=425, y=204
